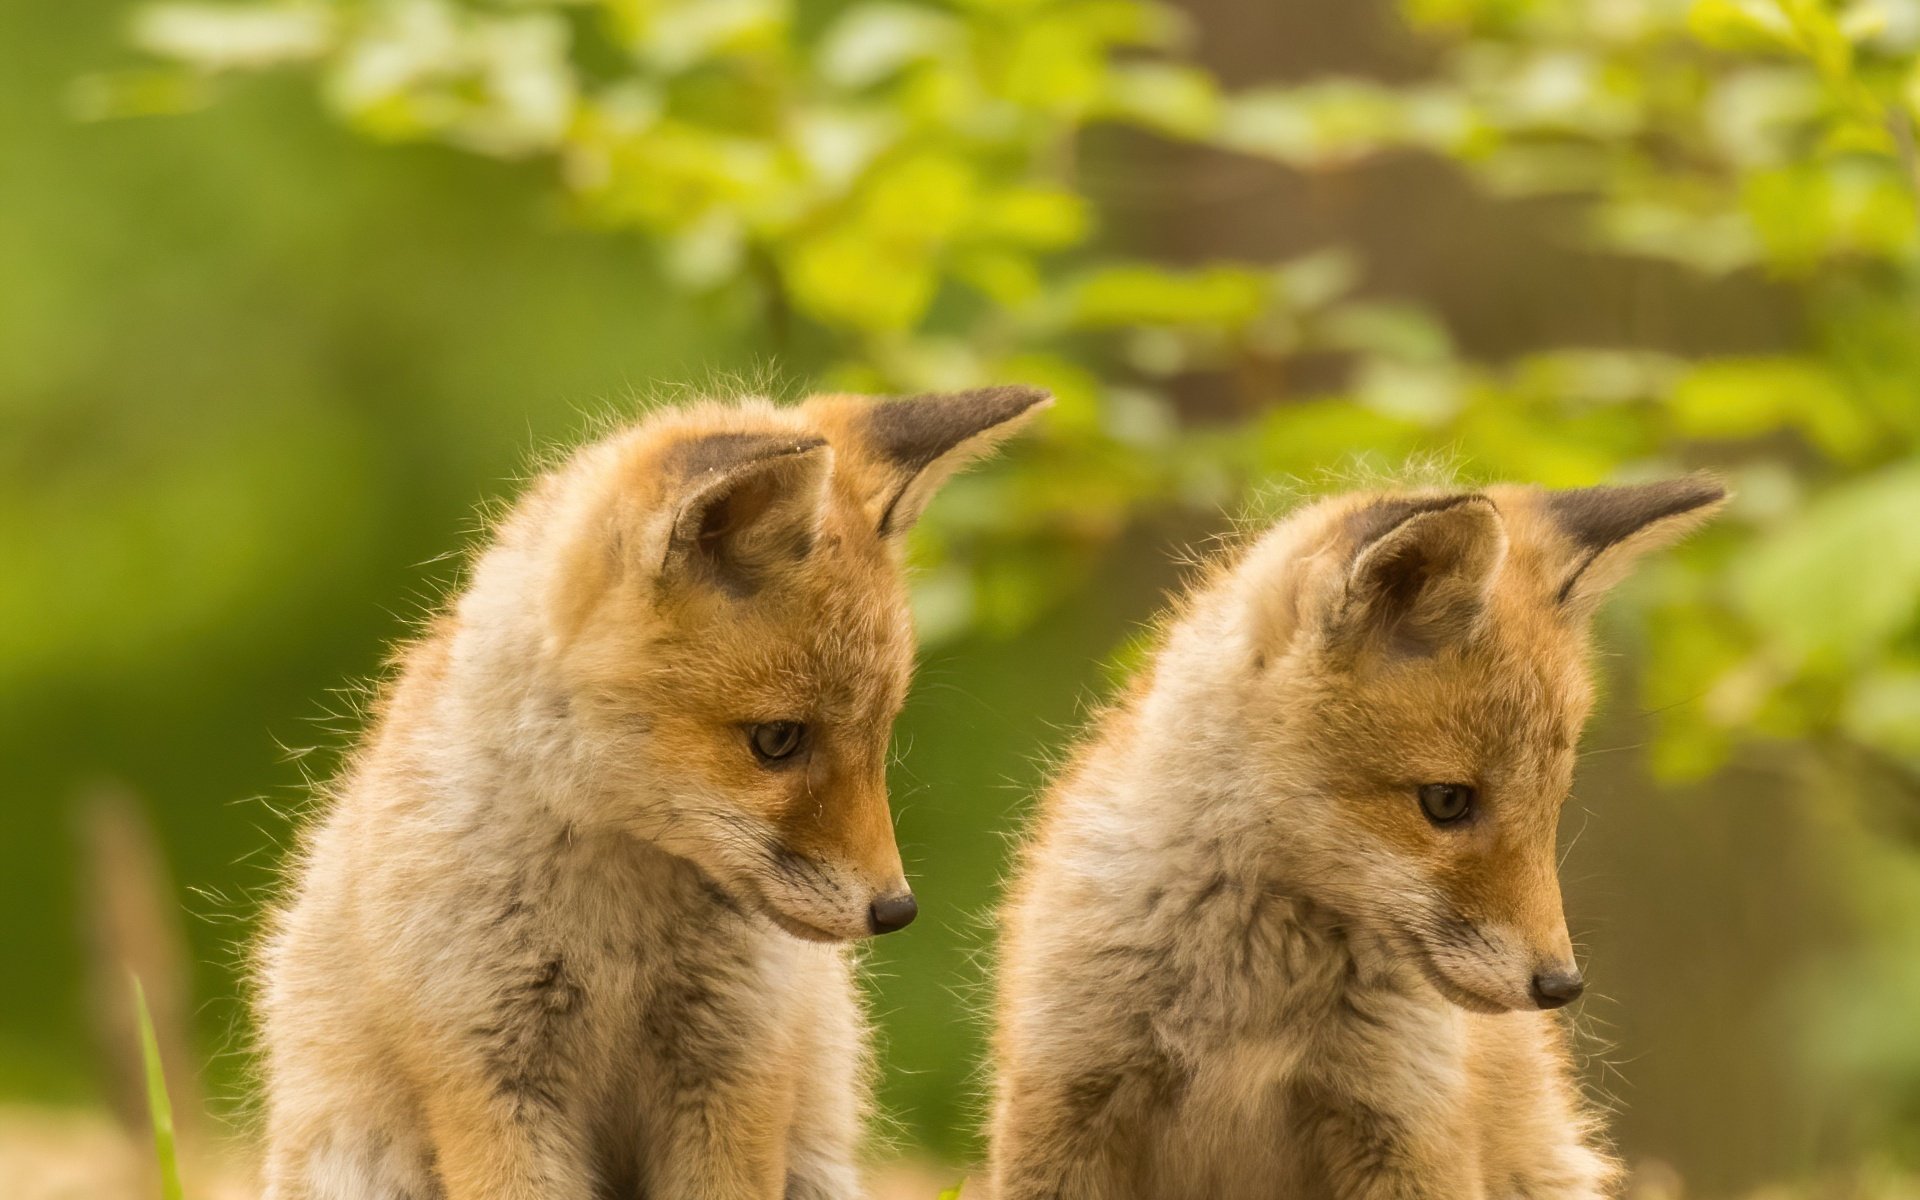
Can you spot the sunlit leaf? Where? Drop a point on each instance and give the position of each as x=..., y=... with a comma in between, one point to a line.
x=1884, y=709
x=1844, y=577
x=1142, y=294
x=151, y=92
x=844, y=277
x=871, y=41
x=1171, y=97
x=1039, y=217
x=1751, y=398
x=1742, y=25
x=230, y=36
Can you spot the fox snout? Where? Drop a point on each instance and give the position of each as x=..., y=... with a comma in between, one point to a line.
x=1556, y=978
x=827, y=900
x=893, y=912
x=838, y=869
x=1490, y=969
x=1557, y=985
x=1498, y=964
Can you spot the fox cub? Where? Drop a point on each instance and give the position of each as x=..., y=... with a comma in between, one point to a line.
x=1291, y=916
x=574, y=924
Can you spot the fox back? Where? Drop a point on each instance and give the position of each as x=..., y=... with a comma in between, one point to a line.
x=1294, y=912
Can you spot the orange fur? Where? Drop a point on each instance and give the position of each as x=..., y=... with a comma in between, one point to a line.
x=1241, y=961
x=569, y=928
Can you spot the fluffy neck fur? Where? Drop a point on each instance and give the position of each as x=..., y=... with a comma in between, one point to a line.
x=1169, y=796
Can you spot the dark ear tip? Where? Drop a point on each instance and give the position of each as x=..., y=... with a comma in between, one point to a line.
x=1710, y=488
x=1597, y=517
x=1692, y=493
x=1009, y=401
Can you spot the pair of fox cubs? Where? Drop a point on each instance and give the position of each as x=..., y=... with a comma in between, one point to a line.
x=575, y=925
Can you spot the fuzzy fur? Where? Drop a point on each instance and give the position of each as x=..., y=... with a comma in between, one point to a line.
x=1239, y=962
x=561, y=934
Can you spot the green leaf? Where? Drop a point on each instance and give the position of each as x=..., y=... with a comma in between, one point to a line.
x=1053, y=65
x=1842, y=579
x=235, y=37
x=678, y=35
x=924, y=199
x=1399, y=331
x=1332, y=123
x=1138, y=294
x=1812, y=212
x=1884, y=709
x=158, y=1104
x=1007, y=278
x=1169, y=97
x=1741, y=26
x=872, y=41
x=1044, y=218
x=842, y=277
x=156, y=92
x=1321, y=435
x=1750, y=398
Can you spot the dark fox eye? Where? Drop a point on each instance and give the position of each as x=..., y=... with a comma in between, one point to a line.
x=1446, y=803
x=776, y=741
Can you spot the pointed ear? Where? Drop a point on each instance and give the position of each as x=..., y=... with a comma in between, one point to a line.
x=747, y=504
x=900, y=450
x=1608, y=528
x=1420, y=571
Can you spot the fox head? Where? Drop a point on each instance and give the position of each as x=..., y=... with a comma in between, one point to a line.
x=1416, y=686
x=725, y=616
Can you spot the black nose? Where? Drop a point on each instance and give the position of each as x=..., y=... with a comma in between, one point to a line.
x=893, y=912
x=1552, y=988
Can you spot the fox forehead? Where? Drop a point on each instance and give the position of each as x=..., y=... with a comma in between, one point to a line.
x=1504, y=706
x=833, y=638
x=849, y=665
x=1494, y=720
x=1489, y=708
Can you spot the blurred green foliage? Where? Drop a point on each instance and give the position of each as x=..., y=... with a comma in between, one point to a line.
x=895, y=196
x=906, y=185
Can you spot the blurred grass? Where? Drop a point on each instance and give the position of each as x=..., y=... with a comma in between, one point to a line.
x=164, y=1150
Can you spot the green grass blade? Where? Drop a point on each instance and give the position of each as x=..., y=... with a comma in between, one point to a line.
x=953, y=1193
x=157, y=1102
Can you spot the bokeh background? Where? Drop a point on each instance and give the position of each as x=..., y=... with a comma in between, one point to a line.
x=290, y=290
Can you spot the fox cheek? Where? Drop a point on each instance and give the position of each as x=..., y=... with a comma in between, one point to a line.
x=852, y=826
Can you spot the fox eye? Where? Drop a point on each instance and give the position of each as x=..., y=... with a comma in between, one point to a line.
x=1446, y=803
x=776, y=741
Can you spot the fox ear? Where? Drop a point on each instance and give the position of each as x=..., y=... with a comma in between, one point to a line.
x=900, y=450
x=1420, y=571
x=1608, y=528
x=747, y=504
